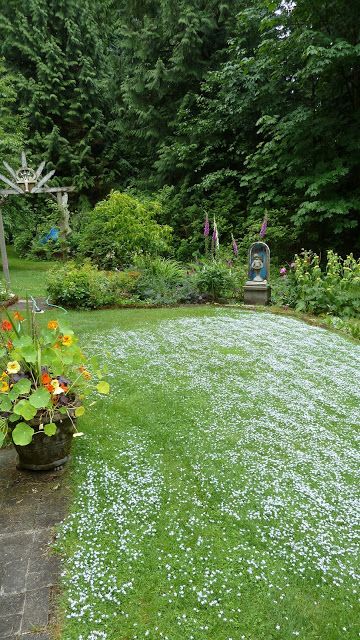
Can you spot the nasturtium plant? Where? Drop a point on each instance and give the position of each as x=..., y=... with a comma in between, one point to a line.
x=44, y=378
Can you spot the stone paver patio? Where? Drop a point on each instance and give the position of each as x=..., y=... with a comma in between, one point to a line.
x=31, y=505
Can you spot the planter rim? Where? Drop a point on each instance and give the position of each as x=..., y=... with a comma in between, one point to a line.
x=57, y=417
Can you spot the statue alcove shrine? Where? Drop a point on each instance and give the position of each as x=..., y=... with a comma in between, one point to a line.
x=257, y=289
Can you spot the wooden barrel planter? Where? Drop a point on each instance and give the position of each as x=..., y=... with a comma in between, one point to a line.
x=46, y=453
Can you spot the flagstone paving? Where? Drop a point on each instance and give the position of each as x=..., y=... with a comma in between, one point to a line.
x=31, y=505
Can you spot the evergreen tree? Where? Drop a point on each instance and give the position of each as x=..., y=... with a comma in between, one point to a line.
x=163, y=51
x=58, y=53
x=12, y=126
x=277, y=126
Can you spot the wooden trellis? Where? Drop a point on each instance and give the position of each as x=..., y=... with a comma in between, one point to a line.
x=23, y=182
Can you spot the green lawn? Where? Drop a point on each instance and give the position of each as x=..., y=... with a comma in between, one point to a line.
x=215, y=489
x=28, y=277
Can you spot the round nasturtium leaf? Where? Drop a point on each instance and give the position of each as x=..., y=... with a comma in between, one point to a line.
x=29, y=353
x=79, y=411
x=40, y=398
x=5, y=404
x=50, y=429
x=103, y=387
x=25, y=409
x=22, y=387
x=22, y=434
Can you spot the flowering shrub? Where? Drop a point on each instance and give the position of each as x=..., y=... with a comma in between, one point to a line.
x=43, y=375
x=334, y=289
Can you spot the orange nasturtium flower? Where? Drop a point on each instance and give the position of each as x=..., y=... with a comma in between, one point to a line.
x=18, y=316
x=67, y=340
x=4, y=387
x=53, y=324
x=50, y=387
x=4, y=375
x=45, y=378
x=6, y=325
x=9, y=345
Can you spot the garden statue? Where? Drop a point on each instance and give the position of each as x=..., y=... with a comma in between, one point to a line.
x=257, y=264
x=257, y=289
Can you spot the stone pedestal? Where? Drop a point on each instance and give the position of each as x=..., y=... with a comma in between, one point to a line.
x=257, y=293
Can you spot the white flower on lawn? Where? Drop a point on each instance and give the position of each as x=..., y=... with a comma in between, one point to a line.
x=276, y=478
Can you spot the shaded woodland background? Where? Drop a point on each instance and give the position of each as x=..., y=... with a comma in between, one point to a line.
x=230, y=108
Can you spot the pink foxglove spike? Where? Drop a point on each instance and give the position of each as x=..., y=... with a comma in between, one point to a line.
x=263, y=227
x=206, y=227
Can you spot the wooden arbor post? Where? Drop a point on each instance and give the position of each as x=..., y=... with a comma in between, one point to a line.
x=4, y=258
x=26, y=181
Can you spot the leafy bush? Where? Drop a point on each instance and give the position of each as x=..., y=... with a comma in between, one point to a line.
x=216, y=280
x=351, y=326
x=86, y=287
x=120, y=227
x=165, y=282
x=151, y=281
x=334, y=290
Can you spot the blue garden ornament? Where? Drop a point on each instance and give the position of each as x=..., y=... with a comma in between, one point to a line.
x=52, y=235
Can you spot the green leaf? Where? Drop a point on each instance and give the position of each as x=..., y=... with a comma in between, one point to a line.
x=13, y=417
x=24, y=341
x=40, y=398
x=2, y=353
x=29, y=354
x=48, y=336
x=22, y=434
x=64, y=329
x=6, y=404
x=103, y=387
x=50, y=429
x=67, y=358
x=25, y=409
x=21, y=387
x=79, y=411
x=13, y=394
x=2, y=437
x=94, y=362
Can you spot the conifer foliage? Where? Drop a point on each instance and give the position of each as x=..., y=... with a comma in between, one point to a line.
x=58, y=53
x=230, y=108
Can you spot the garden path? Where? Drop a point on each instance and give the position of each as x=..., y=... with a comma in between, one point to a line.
x=31, y=505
